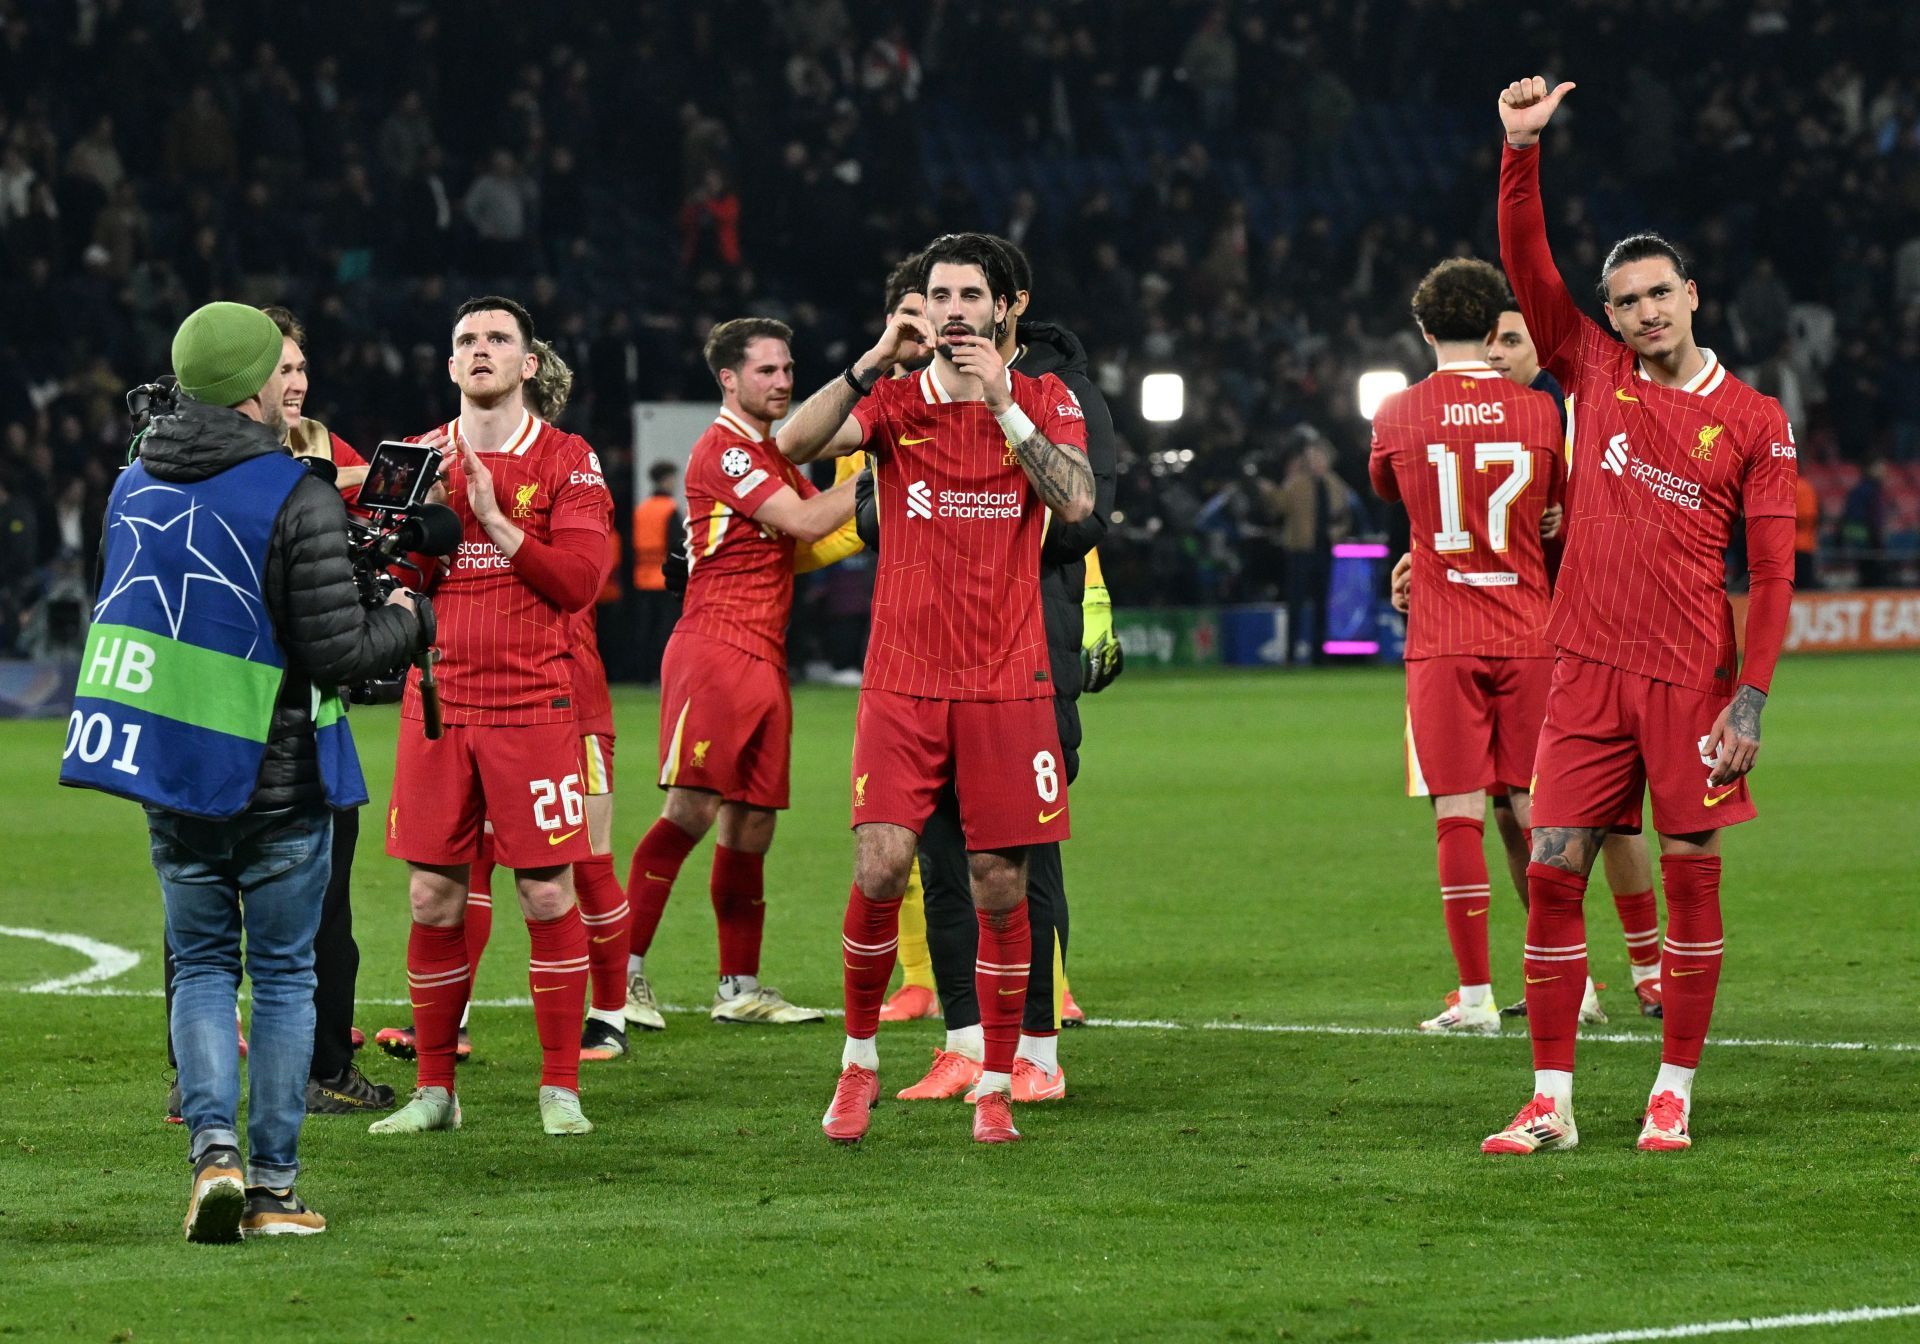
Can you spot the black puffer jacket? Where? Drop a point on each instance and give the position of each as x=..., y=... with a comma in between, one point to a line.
x=1047, y=347
x=327, y=636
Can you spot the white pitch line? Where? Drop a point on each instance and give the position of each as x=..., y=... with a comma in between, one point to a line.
x=1745, y=1325
x=107, y=960
x=1154, y=1024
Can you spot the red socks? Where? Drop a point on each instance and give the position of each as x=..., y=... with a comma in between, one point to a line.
x=656, y=862
x=739, y=908
x=438, y=981
x=1555, y=962
x=1640, y=922
x=557, y=973
x=1465, y=895
x=1690, y=971
x=870, y=941
x=604, y=912
x=1000, y=982
x=480, y=904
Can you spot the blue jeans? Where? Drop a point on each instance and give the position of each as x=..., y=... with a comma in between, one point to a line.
x=268, y=876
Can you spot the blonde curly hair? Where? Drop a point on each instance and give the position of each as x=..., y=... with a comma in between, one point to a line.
x=551, y=384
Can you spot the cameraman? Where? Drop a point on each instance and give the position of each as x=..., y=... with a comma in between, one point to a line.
x=335, y=1085
x=227, y=617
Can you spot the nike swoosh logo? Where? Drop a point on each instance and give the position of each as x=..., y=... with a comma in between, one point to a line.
x=1624, y=395
x=1003, y=993
x=1046, y=817
x=1541, y=980
x=547, y=989
x=656, y=877
x=1481, y=911
x=1697, y=970
x=606, y=938
x=427, y=1004
x=562, y=839
x=908, y=443
x=1710, y=801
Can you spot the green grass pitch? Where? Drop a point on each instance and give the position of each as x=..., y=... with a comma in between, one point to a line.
x=1241, y=857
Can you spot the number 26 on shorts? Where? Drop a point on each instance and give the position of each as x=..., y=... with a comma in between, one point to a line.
x=566, y=791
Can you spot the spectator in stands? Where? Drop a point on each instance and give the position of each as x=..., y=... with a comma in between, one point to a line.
x=1863, y=523
x=200, y=142
x=498, y=206
x=710, y=225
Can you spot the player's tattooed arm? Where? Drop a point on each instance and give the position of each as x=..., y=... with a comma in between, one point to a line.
x=1734, y=744
x=822, y=421
x=823, y=426
x=1060, y=473
x=1569, y=848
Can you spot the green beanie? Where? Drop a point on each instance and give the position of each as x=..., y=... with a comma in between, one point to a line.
x=225, y=352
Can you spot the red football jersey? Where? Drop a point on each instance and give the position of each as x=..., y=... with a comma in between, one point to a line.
x=1476, y=459
x=739, y=572
x=1659, y=473
x=503, y=647
x=592, y=700
x=956, y=598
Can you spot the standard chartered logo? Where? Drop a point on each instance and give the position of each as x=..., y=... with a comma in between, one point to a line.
x=922, y=503
x=1664, y=485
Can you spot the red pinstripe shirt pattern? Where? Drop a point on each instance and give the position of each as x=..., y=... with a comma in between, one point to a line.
x=956, y=601
x=1659, y=476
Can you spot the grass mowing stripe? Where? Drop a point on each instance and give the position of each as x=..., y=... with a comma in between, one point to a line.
x=1794, y=1322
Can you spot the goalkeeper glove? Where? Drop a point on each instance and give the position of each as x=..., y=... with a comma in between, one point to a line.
x=1100, y=657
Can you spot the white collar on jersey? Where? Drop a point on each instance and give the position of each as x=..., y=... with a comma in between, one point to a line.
x=739, y=426
x=935, y=393
x=1711, y=374
x=517, y=442
x=1472, y=368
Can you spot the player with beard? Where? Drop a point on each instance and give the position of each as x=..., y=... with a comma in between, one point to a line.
x=603, y=907
x=1065, y=559
x=1649, y=693
x=969, y=458
x=534, y=511
x=726, y=714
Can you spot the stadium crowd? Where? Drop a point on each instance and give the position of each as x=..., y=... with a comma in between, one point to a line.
x=1204, y=187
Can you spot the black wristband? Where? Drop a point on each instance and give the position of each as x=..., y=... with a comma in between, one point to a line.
x=860, y=389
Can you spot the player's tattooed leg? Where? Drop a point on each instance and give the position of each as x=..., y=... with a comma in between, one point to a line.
x=1571, y=848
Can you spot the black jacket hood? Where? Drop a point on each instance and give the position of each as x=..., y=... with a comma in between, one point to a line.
x=194, y=441
x=1051, y=348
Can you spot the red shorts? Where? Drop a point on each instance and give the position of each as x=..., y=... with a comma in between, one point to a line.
x=1002, y=758
x=1472, y=722
x=726, y=722
x=525, y=780
x=596, y=759
x=1612, y=735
